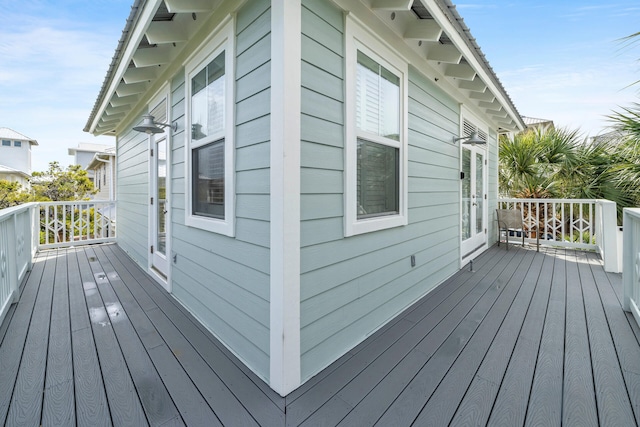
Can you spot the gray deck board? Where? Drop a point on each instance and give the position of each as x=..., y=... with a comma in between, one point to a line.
x=460, y=320
x=155, y=399
x=481, y=368
x=579, y=406
x=14, y=341
x=525, y=339
x=242, y=386
x=622, y=334
x=511, y=404
x=614, y=407
x=59, y=406
x=545, y=402
x=489, y=311
x=91, y=406
x=361, y=374
x=26, y=402
x=124, y=402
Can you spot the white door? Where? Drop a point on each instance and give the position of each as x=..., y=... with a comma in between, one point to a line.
x=159, y=201
x=474, y=199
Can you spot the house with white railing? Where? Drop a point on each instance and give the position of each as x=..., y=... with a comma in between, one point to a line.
x=296, y=174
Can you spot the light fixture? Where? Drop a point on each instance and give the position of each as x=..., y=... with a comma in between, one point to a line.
x=150, y=126
x=472, y=139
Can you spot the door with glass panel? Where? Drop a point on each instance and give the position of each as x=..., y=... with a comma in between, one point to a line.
x=474, y=199
x=159, y=201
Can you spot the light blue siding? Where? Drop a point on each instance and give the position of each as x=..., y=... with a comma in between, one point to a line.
x=133, y=195
x=224, y=281
x=352, y=286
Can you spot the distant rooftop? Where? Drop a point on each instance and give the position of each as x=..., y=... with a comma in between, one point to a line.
x=535, y=122
x=7, y=169
x=90, y=147
x=6, y=133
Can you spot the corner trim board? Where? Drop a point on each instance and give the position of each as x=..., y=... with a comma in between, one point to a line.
x=286, y=41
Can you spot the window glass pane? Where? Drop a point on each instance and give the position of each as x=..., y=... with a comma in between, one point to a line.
x=207, y=100
x=378, y=180
x=479, y=193
x=6, y=143
x=466, y=194
x=377, y=99
x=208, y=180
x=17, y=143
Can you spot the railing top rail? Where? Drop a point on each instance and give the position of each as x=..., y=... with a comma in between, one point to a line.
x=16, y=209
x=77, y=202
x=515, y=199
x=634, y=212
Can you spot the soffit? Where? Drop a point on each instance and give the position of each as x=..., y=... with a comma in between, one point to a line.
x=156, y=32
x=435, y=30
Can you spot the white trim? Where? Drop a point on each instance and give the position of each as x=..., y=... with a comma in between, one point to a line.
x=224, y=40
x=467, y=115
x=460, y=43
x=164, y=94
x=286, y=41
x=357, y=38
x=146, y=16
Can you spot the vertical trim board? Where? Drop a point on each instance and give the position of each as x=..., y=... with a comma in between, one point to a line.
x=285, y=195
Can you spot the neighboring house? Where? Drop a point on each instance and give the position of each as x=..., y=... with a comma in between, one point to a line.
x=315, y=185
x=612, y=137
x=534, y=123
x=15, y=156
x=103, y=168
x=84, y=153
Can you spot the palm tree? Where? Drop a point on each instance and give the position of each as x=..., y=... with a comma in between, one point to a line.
x=536, y=163
x=559, y=163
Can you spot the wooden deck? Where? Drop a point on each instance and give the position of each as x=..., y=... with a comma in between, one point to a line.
x=525, y=339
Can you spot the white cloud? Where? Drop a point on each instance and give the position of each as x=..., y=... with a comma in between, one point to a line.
x=50, y=75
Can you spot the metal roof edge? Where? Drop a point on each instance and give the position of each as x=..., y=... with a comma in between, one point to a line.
x=449, y=9
x=132, y=20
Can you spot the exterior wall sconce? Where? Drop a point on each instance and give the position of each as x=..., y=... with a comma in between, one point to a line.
x=472, y=139
x=150, y=126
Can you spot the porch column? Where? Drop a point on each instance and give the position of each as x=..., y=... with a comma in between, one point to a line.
x=284, y=375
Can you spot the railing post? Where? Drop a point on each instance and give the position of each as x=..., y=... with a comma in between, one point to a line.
x=631, y=262
x=607, y=235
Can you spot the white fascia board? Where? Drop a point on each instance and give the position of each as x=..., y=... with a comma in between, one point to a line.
x=129, y=50
x=286, y=45
x=462, y=46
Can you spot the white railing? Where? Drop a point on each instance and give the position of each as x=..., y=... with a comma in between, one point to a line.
x=572, y=223
x=26, y=228
x=78, y=222
x=631, y=262
x=18, y=245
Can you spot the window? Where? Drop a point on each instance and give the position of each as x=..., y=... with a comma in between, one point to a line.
x=6, y=143
x=375, y=147
x=17, y=143
x=210, y=106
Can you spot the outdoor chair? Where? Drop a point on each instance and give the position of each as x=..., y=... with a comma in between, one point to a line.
x=510, y=221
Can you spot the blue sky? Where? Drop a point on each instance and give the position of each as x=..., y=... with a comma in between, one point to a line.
x=557, y=60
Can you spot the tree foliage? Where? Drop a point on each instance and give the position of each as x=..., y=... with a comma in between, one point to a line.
x=559, y=163
x=57, y=184
x=12, y=194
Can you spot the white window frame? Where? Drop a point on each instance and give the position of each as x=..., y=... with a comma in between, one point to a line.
x=358, y=38
x=222, y=40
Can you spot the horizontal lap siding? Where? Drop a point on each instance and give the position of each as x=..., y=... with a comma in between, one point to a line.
x=133, y=195
x=224, y=281
x=350, y=287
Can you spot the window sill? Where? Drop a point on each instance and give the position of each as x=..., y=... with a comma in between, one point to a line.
x=212, y=225
x=374, y=224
